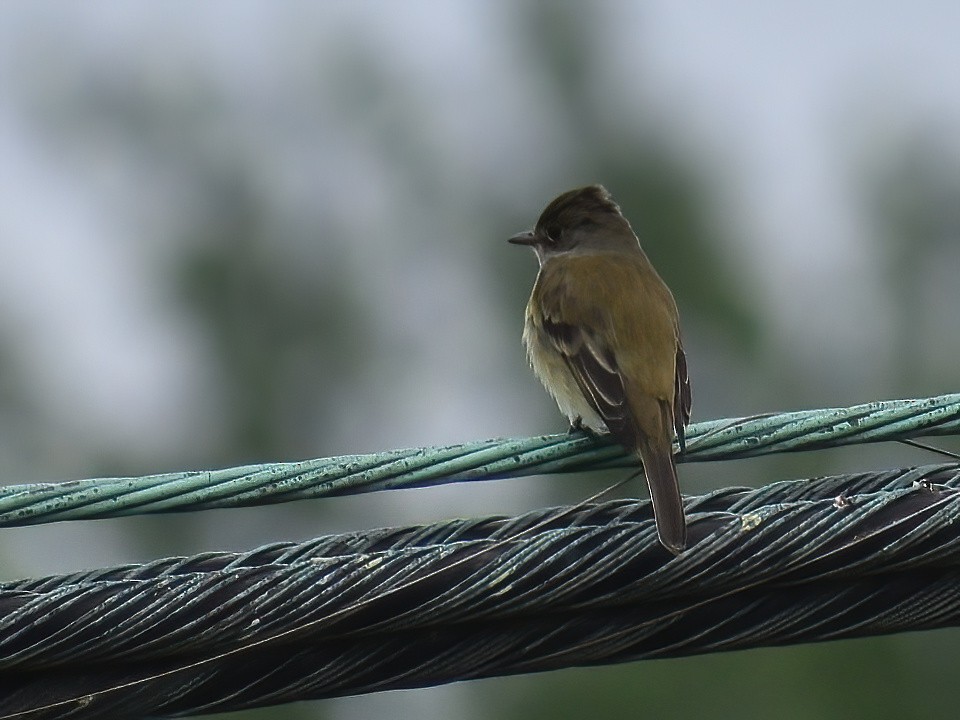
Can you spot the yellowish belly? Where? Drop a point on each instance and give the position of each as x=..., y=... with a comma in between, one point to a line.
x=550, y=367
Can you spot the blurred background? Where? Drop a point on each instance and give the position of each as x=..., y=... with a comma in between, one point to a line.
x=234, y=232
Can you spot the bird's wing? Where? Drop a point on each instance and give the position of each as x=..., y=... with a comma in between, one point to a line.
x=681, y=398
x=595, y=370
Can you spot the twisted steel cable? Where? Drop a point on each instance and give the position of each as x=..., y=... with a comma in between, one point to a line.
x=797, y=561
x=484, y=460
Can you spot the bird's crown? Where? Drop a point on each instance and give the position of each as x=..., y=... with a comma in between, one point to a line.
x=576, y=207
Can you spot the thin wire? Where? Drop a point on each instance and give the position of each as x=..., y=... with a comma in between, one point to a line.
x=931, y=448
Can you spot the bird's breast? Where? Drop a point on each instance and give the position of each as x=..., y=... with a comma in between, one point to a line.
x=551, y=368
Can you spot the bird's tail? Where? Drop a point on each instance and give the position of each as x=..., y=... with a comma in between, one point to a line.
x=656, y=454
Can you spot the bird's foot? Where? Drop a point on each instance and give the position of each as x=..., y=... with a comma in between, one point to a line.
x=577, y=427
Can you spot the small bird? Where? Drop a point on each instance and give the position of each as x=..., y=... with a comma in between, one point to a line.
x=602, y=333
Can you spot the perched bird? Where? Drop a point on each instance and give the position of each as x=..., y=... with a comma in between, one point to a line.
x=602, y=333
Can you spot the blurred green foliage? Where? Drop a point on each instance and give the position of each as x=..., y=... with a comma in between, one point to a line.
x=289, y=328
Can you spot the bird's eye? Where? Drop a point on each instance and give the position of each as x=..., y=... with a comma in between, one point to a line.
x=553, y=235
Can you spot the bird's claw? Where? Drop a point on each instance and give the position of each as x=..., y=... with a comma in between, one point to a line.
x=577, y=427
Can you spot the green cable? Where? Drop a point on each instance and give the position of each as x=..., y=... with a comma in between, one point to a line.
x=481, y=460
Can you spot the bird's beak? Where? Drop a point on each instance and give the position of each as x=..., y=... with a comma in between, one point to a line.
x=524, y=238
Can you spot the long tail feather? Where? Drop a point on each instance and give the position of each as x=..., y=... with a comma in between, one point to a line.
x=656, y=454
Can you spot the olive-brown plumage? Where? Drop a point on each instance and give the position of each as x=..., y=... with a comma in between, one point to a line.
x=602, y=334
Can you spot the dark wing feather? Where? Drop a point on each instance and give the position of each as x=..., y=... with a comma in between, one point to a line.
x=595, y=370
x=681, y=398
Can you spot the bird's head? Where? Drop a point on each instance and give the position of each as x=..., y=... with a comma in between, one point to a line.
x=585, y=219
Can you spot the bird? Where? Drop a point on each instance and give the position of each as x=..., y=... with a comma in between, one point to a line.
x=602, y=333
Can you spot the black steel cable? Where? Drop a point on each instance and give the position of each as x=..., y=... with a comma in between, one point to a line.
x=799, y=561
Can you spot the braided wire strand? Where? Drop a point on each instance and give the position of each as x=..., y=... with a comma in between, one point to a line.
x=483, y=460
x=796, y=561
